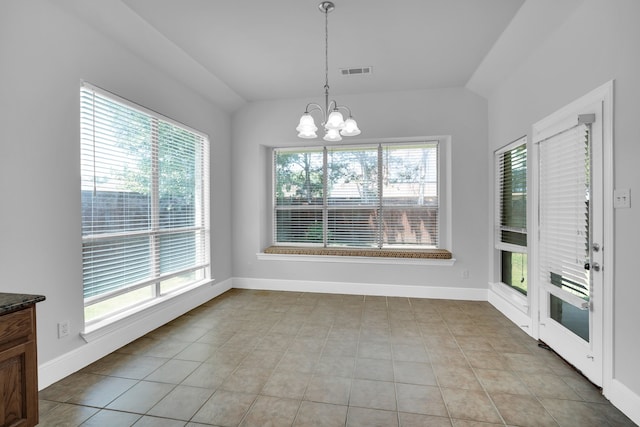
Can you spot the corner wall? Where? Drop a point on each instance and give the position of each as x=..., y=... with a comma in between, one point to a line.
x=45, y=53
x=599, y=42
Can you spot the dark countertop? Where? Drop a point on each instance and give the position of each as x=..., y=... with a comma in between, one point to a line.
x=13, y=302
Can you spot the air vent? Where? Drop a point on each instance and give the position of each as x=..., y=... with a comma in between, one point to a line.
x=357, y=71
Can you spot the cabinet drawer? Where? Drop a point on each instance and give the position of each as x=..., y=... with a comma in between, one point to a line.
x=16, y=325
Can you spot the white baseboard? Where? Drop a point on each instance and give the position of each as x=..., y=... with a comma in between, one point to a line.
x=408, y=291
x=513, y=309
x=624, y=399
x=60, y=367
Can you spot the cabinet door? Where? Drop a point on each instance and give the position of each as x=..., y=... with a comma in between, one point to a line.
x=18, y=405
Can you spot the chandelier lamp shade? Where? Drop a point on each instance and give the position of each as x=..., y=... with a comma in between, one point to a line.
x=333, y=121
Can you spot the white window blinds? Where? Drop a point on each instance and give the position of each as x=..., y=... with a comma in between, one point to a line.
x=383, y=195
x=145, y=203
x=511, y=209
x=564, y=210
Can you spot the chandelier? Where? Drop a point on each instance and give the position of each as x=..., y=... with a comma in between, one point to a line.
x=335, y=125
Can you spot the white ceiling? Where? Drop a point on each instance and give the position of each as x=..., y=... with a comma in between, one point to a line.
x=248, y=50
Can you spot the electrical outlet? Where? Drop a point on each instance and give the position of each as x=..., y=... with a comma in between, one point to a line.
x=63, y=329
x=465, y=274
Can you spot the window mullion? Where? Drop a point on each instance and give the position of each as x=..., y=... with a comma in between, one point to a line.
x=380, y=195
x=155, y=205
x=325, y=199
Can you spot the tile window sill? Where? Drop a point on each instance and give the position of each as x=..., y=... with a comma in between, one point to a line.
x=350, y=255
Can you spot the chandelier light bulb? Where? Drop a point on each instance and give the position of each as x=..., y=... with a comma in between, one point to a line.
x=332, y=135
x=307, y=127
x=350, y=128
x=335, y=121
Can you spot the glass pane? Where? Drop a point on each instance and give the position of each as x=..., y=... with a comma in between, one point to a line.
x=177, y=150
x=113, y=264
x=410, y=226
x=298, y=177
x=352, y=176
x=175, y=283
x=115, y=211
x=298, y=226
x=118, y=303
x=178, y=252
x=514, y=188
x=570, y=316
x=353, y=227
x=514, y=270
x=410, y=175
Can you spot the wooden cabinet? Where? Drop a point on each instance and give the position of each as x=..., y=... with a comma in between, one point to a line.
x=18, y=368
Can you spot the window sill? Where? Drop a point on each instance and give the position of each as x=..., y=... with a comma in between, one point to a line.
x=439, y=257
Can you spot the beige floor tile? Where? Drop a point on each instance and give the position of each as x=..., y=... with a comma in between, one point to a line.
x=173, y=372
x=417, y=420
x=420, y=399
x=410, y=353
x=414, y=373
x=247, y=380
x=480, y=343
x=486, y=359
x=525, y=411
x=544, y=385
x=224, y=408
x=208, y=375
x=365, y=417
x=471, y=405
x=498, y=381
x=456, y=377
x=337, y=366
x=374, y=369
x=373, y=394
x=374, y=349
x=327, y=389
x=287, y=384
x=298, y=362
x=181, y=403
x=571, y=413
x=315, y=414
x=66, y=415
x=141, y=397
x=270, y=411
x=126, y=365
x=341, y=347
x=197, y=352
x=148, y=421
x=109, y=418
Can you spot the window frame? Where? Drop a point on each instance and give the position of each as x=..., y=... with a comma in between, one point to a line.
x=443, y=187
x=155, y=230
x=499, y=245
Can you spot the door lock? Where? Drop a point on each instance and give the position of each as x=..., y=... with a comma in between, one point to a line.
x=595, y=247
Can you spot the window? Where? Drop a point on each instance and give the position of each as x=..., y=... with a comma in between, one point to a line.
x=511, y=214
x=362, y=196
x=145, y=205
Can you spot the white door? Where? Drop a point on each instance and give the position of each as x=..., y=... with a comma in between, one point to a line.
x=569, y=260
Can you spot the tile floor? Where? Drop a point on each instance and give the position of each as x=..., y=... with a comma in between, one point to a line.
x=257, y=358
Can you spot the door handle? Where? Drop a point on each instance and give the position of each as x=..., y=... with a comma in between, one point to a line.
x=595, y=266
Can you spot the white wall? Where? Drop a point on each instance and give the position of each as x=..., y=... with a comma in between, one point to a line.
x=455, y=112
x=599, y=42
x=44, y=54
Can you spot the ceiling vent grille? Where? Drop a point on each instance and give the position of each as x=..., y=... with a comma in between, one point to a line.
x=356, y=71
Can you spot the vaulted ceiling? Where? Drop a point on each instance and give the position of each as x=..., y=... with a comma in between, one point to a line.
x=249, y=50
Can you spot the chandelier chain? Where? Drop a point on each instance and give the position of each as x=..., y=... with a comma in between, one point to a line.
x=326, y=58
